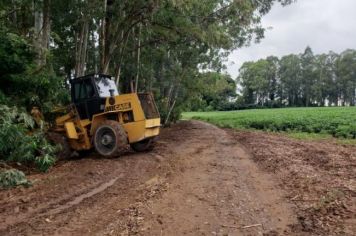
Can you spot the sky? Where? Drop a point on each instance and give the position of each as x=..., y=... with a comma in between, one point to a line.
x=324, y=25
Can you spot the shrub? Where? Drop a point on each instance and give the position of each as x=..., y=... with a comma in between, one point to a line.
x=12, y=178
x=19, y=143
x=343, y=132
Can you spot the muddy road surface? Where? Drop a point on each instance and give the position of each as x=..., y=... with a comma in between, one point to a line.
x=199, y=180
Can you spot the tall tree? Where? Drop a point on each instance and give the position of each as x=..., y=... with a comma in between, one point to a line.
x=290, y=74
x=307, y=75
x=272, y=77
x=347, y=76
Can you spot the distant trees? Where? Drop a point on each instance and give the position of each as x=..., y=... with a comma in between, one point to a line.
x=300, y=80
x=211, y=91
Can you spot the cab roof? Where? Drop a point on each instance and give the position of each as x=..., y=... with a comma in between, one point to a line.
x=75, y=80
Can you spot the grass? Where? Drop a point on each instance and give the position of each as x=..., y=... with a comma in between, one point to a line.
x=301, y=123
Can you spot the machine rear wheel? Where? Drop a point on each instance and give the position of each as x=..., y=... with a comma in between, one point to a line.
x=144, y=145
x=110, y=139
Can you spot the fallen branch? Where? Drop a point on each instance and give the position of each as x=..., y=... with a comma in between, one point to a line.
x=241, y=227
x=231, y=226
x=250, y=226
x=305, y=200
x=301, y=199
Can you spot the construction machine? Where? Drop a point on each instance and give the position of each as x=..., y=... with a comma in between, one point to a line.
x=100, y=118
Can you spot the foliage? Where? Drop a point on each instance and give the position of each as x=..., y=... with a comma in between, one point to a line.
x=15, y=54
x=19, y=144
x=155, y=45
x=22, y=82
x=12, y=178
x=42, y=88
x=211, y=91
x=300, y=80
x=336, y=121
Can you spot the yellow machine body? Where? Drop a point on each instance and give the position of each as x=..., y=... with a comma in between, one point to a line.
x=139, y=118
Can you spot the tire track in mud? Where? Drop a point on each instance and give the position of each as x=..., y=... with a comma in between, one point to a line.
x=219, y=191
x=57, y=206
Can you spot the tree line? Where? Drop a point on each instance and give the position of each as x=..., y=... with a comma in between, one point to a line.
x=300, y=80
x=146, y=45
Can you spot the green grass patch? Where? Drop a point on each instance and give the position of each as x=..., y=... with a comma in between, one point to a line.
x=308, y=136
x=302, y=123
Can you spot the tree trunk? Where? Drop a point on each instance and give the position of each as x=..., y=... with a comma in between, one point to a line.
x=42, y=30
x=169, y=95
x=113, y=44
x=38, y=24
x=82, y=45
x=46, y=24
x=103, y=38
x=96, y=60
x=138, y=57
x=118, y=66
x=117, y=75
x=170, y=112
x=353, y=95
x=83, y=59
x=14, y=13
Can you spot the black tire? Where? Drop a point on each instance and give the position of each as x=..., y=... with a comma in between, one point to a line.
x=144, y=145
x=110, y=139
x=57, y=138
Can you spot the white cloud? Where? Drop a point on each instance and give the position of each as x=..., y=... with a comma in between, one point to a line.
x=323, y=25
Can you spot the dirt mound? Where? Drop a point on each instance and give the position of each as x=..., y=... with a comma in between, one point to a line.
x=319, y=177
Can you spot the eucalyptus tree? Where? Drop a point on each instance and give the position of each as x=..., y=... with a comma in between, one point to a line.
x=308, y=76
x=290, y=75
x=346, y=70
x=325, y=89
x=273, y=78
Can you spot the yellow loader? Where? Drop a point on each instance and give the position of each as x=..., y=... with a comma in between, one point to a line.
x=100, y=118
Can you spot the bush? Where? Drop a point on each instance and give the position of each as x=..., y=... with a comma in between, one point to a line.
x=12, y=178
x=343, y=131
x=3, y=98
x=19, y=143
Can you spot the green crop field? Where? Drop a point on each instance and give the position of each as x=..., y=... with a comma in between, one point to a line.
x=339, y=122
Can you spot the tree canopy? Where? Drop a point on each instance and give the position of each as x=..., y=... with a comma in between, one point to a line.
x=164, y=46
x=300, y=80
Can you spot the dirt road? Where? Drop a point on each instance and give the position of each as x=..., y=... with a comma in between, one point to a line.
x=199, y=180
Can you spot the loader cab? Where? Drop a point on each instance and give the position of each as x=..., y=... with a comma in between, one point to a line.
x=89, y=94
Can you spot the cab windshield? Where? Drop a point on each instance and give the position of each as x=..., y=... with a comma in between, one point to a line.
x=104, y=85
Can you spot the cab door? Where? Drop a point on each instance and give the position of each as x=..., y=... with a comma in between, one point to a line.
x=86, y=99
x=79, y=96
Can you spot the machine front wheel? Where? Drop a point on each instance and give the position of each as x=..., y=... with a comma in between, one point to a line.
x=144, y=145
x=110, y=139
